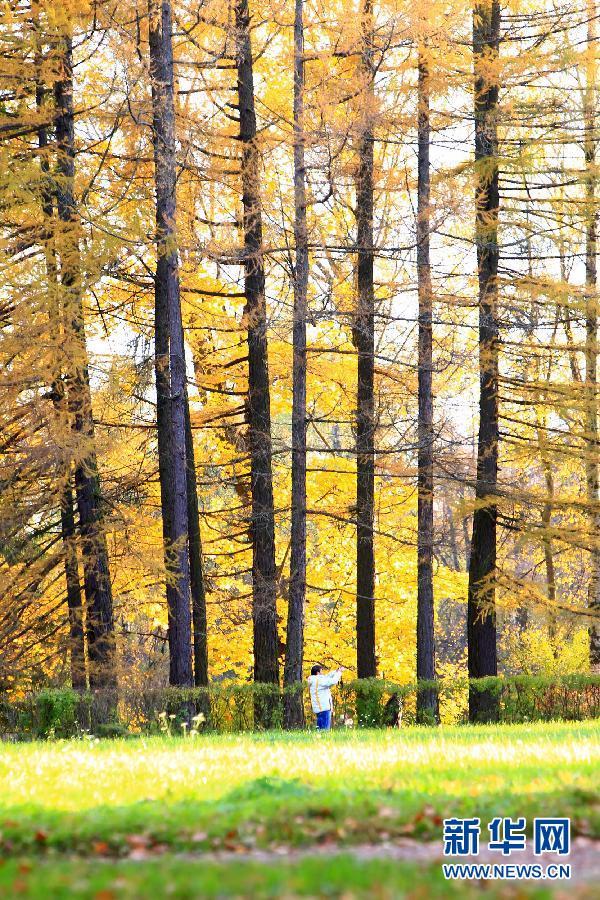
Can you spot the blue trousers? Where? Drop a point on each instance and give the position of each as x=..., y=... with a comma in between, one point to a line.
x=324, y=719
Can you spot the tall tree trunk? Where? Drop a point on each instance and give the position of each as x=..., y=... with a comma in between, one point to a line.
x=68, y=533
x=481, y=614
x=294, y=710
x=169, y=350
x=591, y=336
x=363, y=335
x=426, y=699
x=196, y=571
x=264, y=591
x=97, y=585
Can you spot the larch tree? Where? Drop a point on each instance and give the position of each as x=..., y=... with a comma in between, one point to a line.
x=57, y=390
x=592, y=438
x=197, y=580
x=170, y=373
x=97, y=582
x=481, y=614
x=264, y=573
x=363, y=336
x=297, y=584
x=426, y=699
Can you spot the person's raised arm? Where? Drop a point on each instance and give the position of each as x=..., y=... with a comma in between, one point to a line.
x=331, y=678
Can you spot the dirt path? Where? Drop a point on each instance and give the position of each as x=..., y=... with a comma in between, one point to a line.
x=584, y=858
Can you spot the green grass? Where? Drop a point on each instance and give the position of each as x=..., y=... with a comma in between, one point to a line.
x=109, y=800
x=349, y=786
x=314, y=877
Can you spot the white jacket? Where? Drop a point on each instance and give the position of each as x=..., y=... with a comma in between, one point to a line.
x=319, y=687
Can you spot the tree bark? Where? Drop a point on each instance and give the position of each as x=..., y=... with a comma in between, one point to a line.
x=465, y=524
x=294, y=709
x=97, y=584
x=481, y=614
x=453, y=539
x=427, y=707
x=591, y=337
x=68, y=532
x=197, y=587
x=169, y=350
x=74, y=597
x=363, y=334
x=547, y=538
x=264, y=592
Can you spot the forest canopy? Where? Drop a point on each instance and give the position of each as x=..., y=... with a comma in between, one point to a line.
x=298, y=340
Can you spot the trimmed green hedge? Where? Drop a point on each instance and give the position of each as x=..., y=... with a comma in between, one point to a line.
x=233, y=707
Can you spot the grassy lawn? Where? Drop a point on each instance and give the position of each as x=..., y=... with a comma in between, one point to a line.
x=172, y=877
x=110, y=801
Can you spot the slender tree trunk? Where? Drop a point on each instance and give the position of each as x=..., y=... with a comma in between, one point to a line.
x=68, y=534
x=294, y=709
x=481, y=614
x=169, y=350
x=547, y=538
x=363, y=334
x=97, y=584
x=591, y=336
x=453, y=539
x=465, y=525
x=426, y=699
x=74, y=598
x=264, y=575
x=196, y=571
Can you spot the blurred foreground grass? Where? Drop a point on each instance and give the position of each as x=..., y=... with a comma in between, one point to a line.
x=340, y=876
x=122, y=800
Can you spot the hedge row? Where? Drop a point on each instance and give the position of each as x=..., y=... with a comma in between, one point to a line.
x=230, y=707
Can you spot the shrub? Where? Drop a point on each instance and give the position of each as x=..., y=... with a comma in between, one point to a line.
x=112, y=730
x=234, y=707
x=56, y=712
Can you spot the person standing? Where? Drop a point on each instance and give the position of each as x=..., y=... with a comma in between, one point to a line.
x=319, y=685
